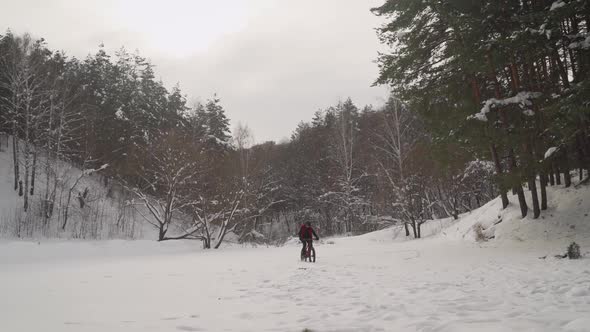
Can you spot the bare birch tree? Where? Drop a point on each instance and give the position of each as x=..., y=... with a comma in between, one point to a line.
x=394, y=141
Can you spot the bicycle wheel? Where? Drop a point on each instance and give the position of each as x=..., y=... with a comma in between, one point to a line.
x=312, y=255
x=306, y=254
x=304, y=251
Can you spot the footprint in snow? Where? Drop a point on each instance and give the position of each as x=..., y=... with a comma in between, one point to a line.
x=245, y=315
x=579, y=291
x=188, y=328
x=72, y=323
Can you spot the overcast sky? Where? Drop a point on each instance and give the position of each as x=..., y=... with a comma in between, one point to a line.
x=273, y=63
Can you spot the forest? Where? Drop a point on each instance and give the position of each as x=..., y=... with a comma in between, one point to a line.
x=508, y=79
x=486, y=100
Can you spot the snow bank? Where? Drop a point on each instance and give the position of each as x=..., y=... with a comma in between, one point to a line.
x=398, y=234
x=567, y=219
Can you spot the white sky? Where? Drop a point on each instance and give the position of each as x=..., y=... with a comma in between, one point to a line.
x=273, y=63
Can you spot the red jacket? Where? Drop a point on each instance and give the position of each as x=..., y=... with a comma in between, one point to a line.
x=307, y=233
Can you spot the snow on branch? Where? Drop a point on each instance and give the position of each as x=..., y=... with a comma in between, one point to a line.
x=584, y=44
x=550, y=152
x=523, y=99
x=556, y=5
x=89, y=171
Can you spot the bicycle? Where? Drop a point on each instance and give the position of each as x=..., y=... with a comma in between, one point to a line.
x=309, y=254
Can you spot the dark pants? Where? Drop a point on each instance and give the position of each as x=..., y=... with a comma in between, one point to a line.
x=304, y=242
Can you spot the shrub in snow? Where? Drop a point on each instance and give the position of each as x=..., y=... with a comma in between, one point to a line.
x=479, y=234
x=573, y=251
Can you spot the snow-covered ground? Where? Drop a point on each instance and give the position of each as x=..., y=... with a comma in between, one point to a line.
x=375, y=282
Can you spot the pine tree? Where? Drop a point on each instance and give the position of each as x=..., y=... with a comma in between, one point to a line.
x=217, y=131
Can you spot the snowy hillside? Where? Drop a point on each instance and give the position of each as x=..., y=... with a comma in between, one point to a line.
x=375, y=282
x=567, y=219
x=105, y=214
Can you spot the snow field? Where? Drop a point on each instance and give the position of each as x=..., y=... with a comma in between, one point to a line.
x=376, y=282
x=356, y=285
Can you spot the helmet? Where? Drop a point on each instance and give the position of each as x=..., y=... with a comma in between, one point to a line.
x=308, y=223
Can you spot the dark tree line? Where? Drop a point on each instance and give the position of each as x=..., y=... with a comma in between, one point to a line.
x=357, y=170
x=349, y=170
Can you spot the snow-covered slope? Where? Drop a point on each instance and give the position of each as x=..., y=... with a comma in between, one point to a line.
x=105, y=215
x=567, y=219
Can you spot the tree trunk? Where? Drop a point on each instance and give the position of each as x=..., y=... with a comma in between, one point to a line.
x=223, y=230
x=407, y=229
x=15, y=159
x=498, y=166
x=270, y=235
x=543, y=178
x=33, y=172
x=66, y=211
x=46, y=203
x=498, y=94
x=518, y=188
x=582, y=158
x=511, y=158
x=161, y=232
x=221, y=237
x=535, y=197
x=27, y=150
x=561, y=69
x=522, y=201
x=567, y=178
x=557, y=173
x=27, y=167
x=207, y=238
x=531, y=173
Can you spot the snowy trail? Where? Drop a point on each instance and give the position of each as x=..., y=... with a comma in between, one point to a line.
x=356, y=285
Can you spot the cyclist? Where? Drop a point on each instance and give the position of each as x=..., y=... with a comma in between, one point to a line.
x=306, y=235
